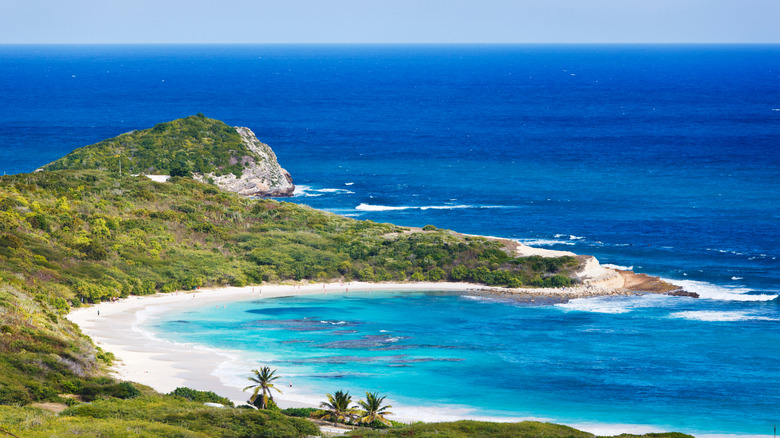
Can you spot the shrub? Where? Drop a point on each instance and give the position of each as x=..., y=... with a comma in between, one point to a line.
x=200, y=396
x=123, y=390
x=10, y=241
x=300, y=412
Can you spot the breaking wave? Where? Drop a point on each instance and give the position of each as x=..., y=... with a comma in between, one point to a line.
x=716, y=316
x=308, y=191
x=544, y=242
x=371, y=207
x=722, y=293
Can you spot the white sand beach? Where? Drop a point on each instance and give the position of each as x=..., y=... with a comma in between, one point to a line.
x=164, y=365
x=117, y=327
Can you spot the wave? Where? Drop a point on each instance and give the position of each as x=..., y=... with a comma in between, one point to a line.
x=618, y=267
x=308, y=191
x=718, y=316
x=544, y=242
x=372, y=207
x=617, y=304
x=570, y=236
x=725, y=251
x=721, y=293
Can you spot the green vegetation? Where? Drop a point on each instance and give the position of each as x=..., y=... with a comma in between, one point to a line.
x=200, y=396
x=373, y=410
x=479, y=429
x=262, y=386
x=152, y=416
x=300, y=412
x=176, y=148
x=86, y=236
x=338, y=409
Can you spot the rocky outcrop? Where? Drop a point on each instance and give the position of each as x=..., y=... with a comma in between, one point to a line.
x=262, y=175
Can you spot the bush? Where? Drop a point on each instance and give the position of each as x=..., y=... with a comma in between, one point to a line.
x=123, y=390
x=200, y=396
x=10, y=241
x=300, y=412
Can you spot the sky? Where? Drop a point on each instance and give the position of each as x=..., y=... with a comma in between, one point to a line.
x=389, y=21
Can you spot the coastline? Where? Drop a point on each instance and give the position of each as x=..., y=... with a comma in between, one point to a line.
x=164, y=365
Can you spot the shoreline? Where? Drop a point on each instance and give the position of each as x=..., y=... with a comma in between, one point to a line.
x=165, y=365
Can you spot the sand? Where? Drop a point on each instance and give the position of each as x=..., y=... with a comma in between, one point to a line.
x=164, y=365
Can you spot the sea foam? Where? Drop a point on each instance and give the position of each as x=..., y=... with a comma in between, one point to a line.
x=722, y=293
x=310, y=192
x=617, y=304
x=372, y=207
x=544, y=242
x=716, y=316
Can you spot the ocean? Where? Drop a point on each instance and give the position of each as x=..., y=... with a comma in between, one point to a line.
x=664, y=159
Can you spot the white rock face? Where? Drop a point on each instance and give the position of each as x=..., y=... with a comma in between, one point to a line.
x=262, y=175
x=592, y=273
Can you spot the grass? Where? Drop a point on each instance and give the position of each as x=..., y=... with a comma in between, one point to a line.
x=481, y=429
x=151, y=416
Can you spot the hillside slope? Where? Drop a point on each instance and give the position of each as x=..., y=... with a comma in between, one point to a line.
x=231, y=157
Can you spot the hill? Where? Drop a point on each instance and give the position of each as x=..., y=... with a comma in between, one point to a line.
x=211, y=151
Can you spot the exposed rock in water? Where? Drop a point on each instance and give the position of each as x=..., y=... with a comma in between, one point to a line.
x=262, y=175
x=682, y=293
x=649, y=284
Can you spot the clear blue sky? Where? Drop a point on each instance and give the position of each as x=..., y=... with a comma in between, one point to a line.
x=389, y=21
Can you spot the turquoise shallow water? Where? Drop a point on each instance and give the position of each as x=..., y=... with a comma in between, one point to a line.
x=697, y=366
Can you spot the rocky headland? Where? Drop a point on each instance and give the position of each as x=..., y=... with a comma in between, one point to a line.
x=230, y=157
x=262, y=175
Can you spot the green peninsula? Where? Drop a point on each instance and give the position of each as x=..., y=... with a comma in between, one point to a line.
x=79, y=232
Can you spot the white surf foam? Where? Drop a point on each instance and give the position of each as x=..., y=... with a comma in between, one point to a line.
x=619, y=267
x=332, y=191
x=722, y=293
x=616, y=304
x=569, y=236
x=717, y=316
x=544, y=242
x=373, y=207
x=309, y=191
x=369, y=207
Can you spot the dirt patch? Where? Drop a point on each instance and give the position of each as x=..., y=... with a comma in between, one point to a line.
x=51, y=407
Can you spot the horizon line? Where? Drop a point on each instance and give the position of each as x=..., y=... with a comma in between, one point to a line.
x=390, y=43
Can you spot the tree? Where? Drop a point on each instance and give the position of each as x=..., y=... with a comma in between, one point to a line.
x=263, y=379
x=337, y=407
x=181, y=168
x=373, y=409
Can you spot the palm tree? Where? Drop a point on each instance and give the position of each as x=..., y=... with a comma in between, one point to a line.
x=373, y=409
x=337, y=407
x=263, y=380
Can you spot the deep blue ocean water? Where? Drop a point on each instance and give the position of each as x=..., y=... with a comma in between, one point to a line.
x=661, y=158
